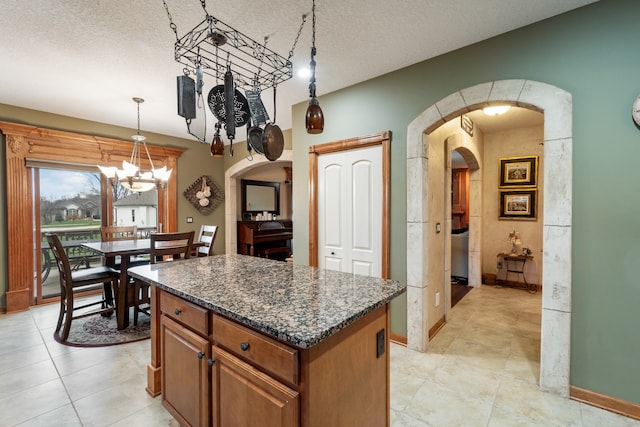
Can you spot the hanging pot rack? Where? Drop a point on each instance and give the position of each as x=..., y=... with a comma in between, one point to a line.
x=215, y=45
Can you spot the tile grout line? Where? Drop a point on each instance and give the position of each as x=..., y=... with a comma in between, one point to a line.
x=64, y=385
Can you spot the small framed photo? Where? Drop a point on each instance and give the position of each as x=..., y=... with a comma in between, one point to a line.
x=518, y=204
x=519, y=171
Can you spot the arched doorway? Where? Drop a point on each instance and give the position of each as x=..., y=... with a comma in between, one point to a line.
x=231, y=186
x=460, y=144
x=556, y=104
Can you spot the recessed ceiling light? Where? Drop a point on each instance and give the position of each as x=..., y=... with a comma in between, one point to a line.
x=496, y=110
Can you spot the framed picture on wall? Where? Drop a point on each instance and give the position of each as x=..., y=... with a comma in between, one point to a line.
x=519, y=171
x=518, y=204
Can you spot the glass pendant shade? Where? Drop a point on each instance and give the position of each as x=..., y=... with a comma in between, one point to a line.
x=217, y=147
x=314, y=119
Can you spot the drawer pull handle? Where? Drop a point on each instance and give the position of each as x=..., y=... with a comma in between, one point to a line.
x=244, y=346
x=200, y=355
x=210, y=362
x=177, y=311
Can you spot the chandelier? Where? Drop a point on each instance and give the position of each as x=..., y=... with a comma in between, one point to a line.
x=246, y=66
x=131, y=176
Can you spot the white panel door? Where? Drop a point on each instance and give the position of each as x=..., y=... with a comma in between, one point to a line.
x=350, y=211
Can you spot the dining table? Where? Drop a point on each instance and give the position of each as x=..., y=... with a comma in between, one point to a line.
x=125, y=249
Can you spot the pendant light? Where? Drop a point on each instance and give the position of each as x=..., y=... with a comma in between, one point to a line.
x=217, y=147
x=131, y=175
x=314, y=119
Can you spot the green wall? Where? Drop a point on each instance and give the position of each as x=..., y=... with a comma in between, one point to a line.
x=591, y=53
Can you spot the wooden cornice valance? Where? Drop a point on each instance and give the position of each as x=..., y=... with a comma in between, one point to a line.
x=59, y=146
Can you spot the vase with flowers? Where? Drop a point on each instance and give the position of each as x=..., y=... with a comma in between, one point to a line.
x=514, y=239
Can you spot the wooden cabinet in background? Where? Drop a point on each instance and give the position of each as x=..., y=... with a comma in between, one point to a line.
x=265, y=238
x=459, y=198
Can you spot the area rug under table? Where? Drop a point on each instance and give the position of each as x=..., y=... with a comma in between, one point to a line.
x=99, y=331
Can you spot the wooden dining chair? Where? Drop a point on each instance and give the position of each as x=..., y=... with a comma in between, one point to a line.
x=207, y=236
x=128, y=232
x=111, y=233
x=82, y=280
x=164, y=247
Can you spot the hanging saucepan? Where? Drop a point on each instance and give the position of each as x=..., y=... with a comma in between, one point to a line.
x=272, y=141
x=272, y=138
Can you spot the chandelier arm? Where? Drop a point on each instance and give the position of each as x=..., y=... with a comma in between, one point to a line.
x=148, y=155
x=133, y=157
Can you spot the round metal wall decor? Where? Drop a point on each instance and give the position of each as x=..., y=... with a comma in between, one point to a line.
x=216, y=100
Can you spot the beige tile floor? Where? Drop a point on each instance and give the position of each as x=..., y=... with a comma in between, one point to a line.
x=481, y=369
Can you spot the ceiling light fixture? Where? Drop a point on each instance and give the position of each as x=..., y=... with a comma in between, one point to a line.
x=131, y=175
x=496, y=110
x=314, y=119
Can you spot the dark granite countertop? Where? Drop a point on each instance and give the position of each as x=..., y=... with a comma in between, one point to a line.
x=296, y=304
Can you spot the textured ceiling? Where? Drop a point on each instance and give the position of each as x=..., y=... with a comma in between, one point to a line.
x=87, y=59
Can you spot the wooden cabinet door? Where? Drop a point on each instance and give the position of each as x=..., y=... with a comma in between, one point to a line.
x=185, y=374
x=243, y=396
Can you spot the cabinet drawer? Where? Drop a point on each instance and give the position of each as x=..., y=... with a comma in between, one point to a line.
x=273, y=357
x=185, y=312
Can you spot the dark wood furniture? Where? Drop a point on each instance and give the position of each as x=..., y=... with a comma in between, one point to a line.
x=165, y=247
x=111, y=233
x=124, y=249
x=72, y=282
x=263, y=238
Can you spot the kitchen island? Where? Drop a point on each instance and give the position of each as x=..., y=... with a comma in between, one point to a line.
x=240, y=340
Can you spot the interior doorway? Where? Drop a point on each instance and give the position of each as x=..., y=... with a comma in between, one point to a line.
x=556, y=105
x=232, y=176
x=459, y=204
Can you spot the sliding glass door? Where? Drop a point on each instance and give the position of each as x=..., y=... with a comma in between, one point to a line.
x=67, y=202
x=74, y=202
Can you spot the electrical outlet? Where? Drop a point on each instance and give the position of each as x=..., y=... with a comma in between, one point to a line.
x=380, y=343
x=189, y=219
x=437, y=299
